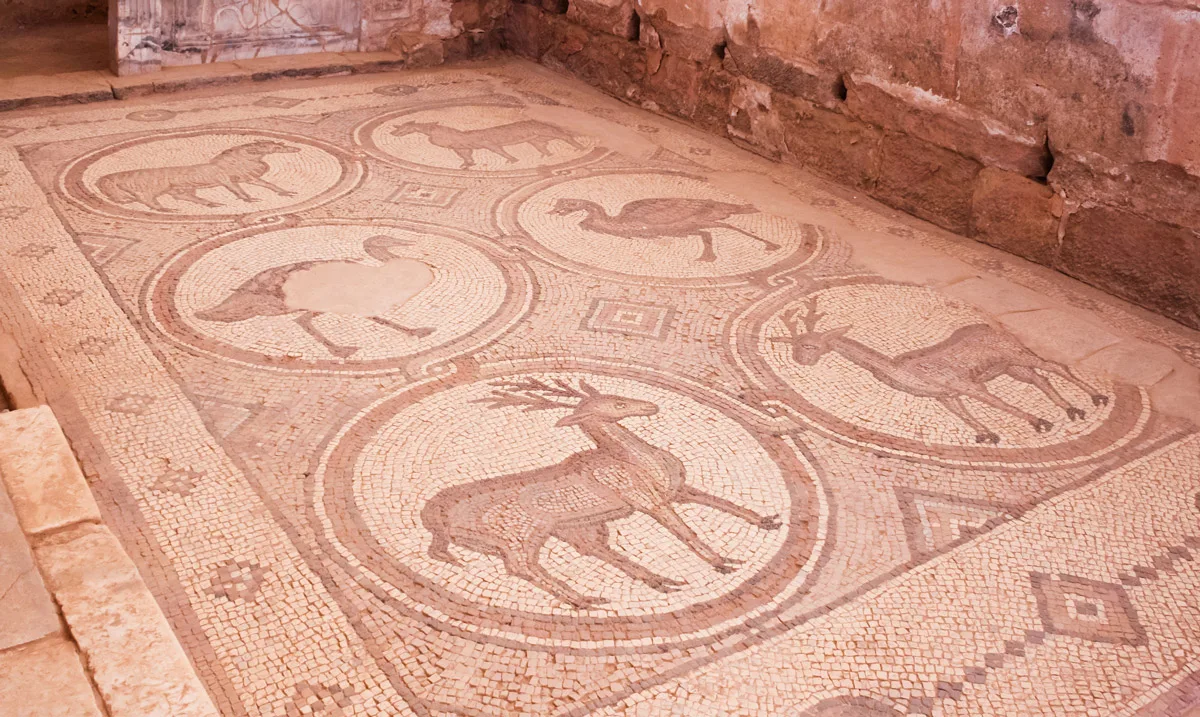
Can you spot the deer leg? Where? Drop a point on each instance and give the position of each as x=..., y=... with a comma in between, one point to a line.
x=983, y=434
x=156, y=205
x=670, y=520
x=984, y=396
x=593, y=540
x=522, y=561
x=419, y=333
x=573, y=142
x=305, y=321
x=694, y=495
x=259, y=181
x=500, y=150
x=468, y=157
x=1041, y=383
x=237, y=191
x=708, y=254
x=1098, y=399
x=188, y=194
x=541, y=145
x=767, y=245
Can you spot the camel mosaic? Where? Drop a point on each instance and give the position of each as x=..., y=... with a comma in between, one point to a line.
x=466, y=143
x=513, y=516
x=662, y=218
x=955, y=368
x=267, y=293
x=231, y=169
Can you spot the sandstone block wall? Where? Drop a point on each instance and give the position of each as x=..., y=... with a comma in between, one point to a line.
x=1064, y=131
x=15, y=14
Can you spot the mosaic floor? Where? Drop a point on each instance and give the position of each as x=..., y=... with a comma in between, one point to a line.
x=471, y=392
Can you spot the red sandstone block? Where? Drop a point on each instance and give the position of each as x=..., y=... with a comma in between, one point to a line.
x=1150, y=263
x=828, y=142
x=927, y=181
x=615, y=17
x=1160, y=190
x=1016, y=214
x=914, y=111
x=816, y=84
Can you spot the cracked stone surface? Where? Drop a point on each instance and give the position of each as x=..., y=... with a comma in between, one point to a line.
x=472, y=392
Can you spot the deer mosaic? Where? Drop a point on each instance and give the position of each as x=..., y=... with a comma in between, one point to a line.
x=958, y=367
x=512, y=516
x=465, y=143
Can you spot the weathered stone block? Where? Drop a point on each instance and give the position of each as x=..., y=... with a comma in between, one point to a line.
x=752, y=120
x=681, y=31
x=135, y=660
x=45, y=678
x=1152, y=264
x=26, y=611
x=922, y=114
x=1160, y=190
x=605, y=61
x=815, y=84
x=417, y=49
x=615, y=17
x=47, y=488
x=927, y=181
x=828, y=142
x=692, y=90
x=1016, y=214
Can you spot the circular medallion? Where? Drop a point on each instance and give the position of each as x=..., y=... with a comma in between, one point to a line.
x=209, y=176
x=486, y=136
x=337, y=296
x=655, y=226
x=904, y=369
x=570, y=509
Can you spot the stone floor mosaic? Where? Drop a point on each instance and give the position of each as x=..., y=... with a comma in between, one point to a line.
x=470, y=392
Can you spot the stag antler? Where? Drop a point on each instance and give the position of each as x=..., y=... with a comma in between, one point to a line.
x=532, y=394
x=810, y=318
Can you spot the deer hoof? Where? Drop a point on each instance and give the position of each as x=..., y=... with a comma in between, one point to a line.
x=1075, y=413
x=1041, y=425
x=771, y=247
x=707, y=258
x=584, y=602
x=422, y=332
x=770, y=522
x=667, y=585
x=344, y=351
x=286, y=193
x=1099, y=400
x=987, y=438
x=727, y=565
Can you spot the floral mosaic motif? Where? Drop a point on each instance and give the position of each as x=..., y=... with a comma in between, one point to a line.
x=136, y=404
x=237, y=580
x=157, y=115
x=319, y=701
x=12, y=212
x=279, y=102
x=179, y=481
x=61, y=297
x=94, y=345
x=632, y=318
x=34, y=251
x=1087, y=609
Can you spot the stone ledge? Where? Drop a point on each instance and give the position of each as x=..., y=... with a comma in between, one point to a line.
x=49, y=90
x=134, y=658
x=948, y=124
x=45, y=678
x=47, y=488
x=136, y=663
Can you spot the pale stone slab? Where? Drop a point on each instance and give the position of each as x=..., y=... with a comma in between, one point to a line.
x=901, y=259
x=1057, y=335
x=65, y=88
x=45, y=679
x=47, y=488
x=26, y=611
x=997, y=296
x=1135, y=362
x=136, y=661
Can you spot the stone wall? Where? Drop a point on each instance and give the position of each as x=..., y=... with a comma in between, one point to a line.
x=15, y=14
x=1064, y=131
x=149, y=34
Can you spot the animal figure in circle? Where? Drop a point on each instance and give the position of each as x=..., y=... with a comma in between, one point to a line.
x=662, y=217
x=465, y=143
x=512, y=516
x=358, y=289
x=957, y=367
x=231, y=169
